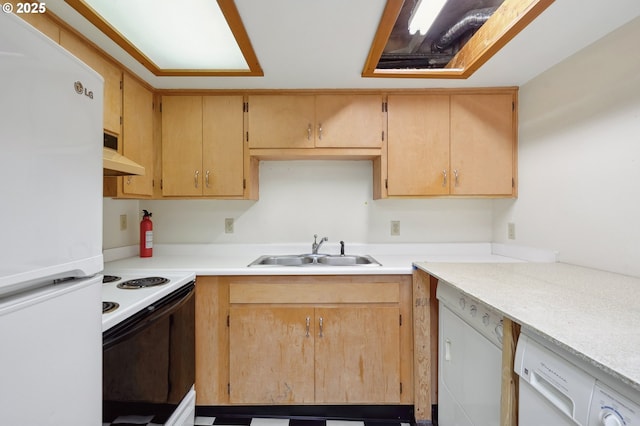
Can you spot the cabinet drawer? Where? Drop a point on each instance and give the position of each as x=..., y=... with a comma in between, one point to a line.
x=333, y=292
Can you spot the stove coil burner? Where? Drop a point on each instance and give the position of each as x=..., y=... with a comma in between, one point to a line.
x=109, y=307
x=142, y=283
x=110, y=278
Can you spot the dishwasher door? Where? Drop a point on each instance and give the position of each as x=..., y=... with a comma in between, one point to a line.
x=553, y=391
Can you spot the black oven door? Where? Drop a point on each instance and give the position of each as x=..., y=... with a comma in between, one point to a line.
x=149, y=359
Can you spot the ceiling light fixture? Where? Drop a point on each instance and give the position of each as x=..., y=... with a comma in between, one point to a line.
x=424, y=14
x=188, y=38
x=175, y=35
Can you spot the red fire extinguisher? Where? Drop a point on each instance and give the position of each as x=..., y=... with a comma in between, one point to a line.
x=146, y=235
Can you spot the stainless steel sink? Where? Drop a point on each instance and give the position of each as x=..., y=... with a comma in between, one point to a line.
x=348, y=260
x=315, y=260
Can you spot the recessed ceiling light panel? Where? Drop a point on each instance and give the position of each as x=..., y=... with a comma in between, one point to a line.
x=190, y=34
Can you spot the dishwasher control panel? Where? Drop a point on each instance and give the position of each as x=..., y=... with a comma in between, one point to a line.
x=478, y=315
x=610, y=408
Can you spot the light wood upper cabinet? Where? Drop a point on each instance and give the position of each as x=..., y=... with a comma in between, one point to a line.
x=281, y=121
x=315, y=121
x=137, y=135
x=451, y=144
x=349, y=121
x=108, y=70
x=222, y=149
x=202, y=146
x=418, y=146
x=182, y=145
x=482, y=144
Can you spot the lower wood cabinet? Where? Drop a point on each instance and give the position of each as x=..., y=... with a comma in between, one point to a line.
x=304, y=340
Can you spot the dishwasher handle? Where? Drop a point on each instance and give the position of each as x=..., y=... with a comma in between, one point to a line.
x=552, y=394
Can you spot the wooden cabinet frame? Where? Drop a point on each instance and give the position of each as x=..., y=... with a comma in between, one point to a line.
x=213, y=302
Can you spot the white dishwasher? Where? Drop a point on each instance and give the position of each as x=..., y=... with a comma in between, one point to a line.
x=557, y=388
x=469, y=360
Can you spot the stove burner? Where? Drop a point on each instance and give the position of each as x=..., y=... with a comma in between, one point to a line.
x=142, y=283
x=109, y=306
x=110, y=278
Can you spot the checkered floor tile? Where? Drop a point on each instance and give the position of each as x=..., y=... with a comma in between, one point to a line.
x=248, y=421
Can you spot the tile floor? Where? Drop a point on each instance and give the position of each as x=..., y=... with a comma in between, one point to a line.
x=220, y=421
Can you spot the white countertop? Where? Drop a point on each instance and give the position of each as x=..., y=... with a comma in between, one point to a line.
x=591, y=313
x=232, y=259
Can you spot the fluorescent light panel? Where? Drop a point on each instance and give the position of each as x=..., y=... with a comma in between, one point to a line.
x=424, y=14
x=186, y=34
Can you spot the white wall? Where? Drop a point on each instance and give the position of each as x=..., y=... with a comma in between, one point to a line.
x=328, y=198
x=579, y=158
x=112, y=236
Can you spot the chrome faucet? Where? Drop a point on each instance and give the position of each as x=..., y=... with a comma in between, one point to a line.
x=316, y=245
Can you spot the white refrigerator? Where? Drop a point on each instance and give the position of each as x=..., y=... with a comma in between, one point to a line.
x=50, y=232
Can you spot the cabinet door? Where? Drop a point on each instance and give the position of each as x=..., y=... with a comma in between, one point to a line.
x=182, y=145
x=418, y=145
x=281, y=121
x=349, y=121
x=137, y=135
x=357, y=355
x=223, y=151
x=270, y=355
x=482, y=144
x=111, y=73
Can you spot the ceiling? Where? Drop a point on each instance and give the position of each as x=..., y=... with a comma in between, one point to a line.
x=311, y=44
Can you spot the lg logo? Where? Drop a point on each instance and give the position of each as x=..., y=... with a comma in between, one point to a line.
x=80, y=90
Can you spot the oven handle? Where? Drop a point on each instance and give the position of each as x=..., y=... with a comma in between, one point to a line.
x=144, y=318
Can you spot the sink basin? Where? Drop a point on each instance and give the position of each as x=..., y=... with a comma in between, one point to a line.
x=315, y=260
x=286, y=260
x=347, y=260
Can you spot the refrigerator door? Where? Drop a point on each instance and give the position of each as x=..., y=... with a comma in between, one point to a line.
x=50, y=161
x=51, y=357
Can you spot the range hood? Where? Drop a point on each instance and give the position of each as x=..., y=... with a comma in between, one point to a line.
x=114, y=164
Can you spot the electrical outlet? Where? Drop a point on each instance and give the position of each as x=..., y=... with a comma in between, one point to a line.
x=511, y=231
x=123, y=222
x=395, y=227
x=228, y=225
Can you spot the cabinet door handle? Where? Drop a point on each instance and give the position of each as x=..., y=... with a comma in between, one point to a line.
x=206, y=179
x=455, y=174
x=308, y=325
x=320, y=321
x=128, y=180
x=444, y=177
x=320, y=131
x=195, y=178
x=309, y=132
